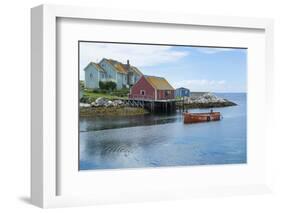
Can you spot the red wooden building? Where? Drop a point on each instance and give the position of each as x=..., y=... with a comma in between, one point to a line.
x=152, y=88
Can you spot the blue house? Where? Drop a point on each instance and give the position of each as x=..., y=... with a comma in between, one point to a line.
x=182, y=92
x=124, y=75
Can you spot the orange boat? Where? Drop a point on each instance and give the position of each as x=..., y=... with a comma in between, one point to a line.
x=201, y=117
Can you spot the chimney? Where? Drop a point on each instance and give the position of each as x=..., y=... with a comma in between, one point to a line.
x=129, y=72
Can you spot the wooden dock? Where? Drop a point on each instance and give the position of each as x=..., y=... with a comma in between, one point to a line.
x=153, y=105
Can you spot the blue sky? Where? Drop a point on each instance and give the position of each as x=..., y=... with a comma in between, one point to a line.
x=197, y=68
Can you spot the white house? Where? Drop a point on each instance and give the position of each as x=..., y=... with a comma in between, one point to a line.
x=124, y=75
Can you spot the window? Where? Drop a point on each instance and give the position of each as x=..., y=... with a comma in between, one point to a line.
x=142, y=92
x=91, y=76
x=167, y=93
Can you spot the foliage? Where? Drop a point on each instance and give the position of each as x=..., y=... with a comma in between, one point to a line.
x=82, y=85
x=87, y=99
x=111, y=93
x=99, y=91
x=89, y=96
x=107, y=85
x=121, y=93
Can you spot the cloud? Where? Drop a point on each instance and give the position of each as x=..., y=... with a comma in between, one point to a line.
x=214, y=50
x=203, y=85
x=139, y=55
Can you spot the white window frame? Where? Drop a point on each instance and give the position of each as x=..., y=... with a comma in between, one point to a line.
x=142, y=91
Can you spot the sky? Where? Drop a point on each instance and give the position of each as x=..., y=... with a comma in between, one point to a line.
x=205, y=69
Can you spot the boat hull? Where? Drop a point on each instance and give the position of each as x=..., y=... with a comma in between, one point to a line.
x=201, y=117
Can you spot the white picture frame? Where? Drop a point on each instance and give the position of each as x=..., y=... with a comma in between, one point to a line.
x=44, y=154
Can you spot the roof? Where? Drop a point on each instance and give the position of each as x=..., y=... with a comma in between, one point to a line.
x=136, y=70
x=180, y=88
x=159, y=83
x=119, y=67
x=123, y=68
x=98, y=67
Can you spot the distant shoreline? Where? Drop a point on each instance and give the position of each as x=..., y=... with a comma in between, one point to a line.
x=209, y=105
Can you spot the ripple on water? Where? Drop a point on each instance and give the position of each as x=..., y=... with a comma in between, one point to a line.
x=168, y=144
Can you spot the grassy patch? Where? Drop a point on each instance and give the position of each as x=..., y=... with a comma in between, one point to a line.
x=98, y=95
x=90, y=96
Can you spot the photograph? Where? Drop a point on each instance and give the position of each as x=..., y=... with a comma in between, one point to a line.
x=147, y=105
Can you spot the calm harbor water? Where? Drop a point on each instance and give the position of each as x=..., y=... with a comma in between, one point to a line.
x=163, y=140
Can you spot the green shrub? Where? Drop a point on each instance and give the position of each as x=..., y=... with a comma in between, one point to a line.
x=84, y=99
x=82, y=85
x=121, y=93
x=96, y=90
x=111, y=85
x=107, y=85
x=102, y=85
x=103, y=91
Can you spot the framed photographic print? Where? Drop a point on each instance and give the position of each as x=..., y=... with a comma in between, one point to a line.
x=130, y=106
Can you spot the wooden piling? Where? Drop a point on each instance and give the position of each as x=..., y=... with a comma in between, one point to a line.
x=153, y=105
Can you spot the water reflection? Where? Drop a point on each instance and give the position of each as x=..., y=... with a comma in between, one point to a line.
x=163, y=140
x=101, y=123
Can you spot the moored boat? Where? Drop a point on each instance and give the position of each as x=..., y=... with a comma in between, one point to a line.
x=201, y=117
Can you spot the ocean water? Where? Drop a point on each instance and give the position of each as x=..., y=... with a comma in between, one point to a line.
x=163, y=140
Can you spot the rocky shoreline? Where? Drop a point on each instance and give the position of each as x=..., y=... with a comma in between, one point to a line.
x=105, y=107
x=103, y=102
x=111, y=111
x=207, y=100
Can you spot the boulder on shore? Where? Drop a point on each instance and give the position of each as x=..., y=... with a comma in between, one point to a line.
x=85, y=105
x=100, y=101
x=206, y=98
x=104, y=102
